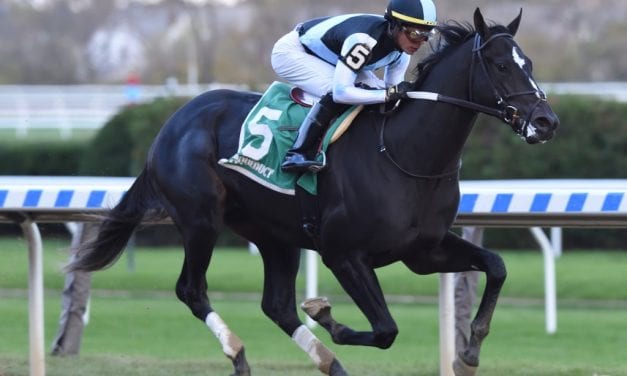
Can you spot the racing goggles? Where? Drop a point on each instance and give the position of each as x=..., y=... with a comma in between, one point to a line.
x=417, y=35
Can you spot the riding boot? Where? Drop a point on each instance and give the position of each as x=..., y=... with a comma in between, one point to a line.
x=301, y=157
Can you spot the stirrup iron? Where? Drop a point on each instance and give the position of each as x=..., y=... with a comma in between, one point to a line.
x=317, y=168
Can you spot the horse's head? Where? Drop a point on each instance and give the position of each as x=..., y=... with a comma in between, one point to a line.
x=501, y=76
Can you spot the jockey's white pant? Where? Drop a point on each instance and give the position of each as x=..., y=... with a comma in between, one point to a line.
x=292, y=63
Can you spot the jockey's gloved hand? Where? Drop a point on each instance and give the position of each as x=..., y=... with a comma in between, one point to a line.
x=364, y=86
x=397, y=92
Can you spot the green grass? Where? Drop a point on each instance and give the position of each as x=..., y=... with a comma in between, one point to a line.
x=157, y=336
x=138, y=327
x=590, y=275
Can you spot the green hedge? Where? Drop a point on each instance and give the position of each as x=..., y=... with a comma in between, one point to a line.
x=590, y=143
x=121, y=146
x=40, y=158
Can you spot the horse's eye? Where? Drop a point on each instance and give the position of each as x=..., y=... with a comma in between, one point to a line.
x=501, y=67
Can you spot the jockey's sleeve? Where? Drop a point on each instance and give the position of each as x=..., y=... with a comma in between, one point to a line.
x=345, y=91
x=355, y=55
x=395, y=72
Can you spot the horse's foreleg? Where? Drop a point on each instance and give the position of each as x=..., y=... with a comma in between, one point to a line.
x=319, y=309
x=457, y=255
x=360, y=282
x=279, y=304
x=492, y=264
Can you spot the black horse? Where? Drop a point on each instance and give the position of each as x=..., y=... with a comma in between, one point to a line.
x=390, y=193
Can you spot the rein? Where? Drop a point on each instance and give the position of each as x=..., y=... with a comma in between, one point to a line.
x=435, y=97
x=383, y=149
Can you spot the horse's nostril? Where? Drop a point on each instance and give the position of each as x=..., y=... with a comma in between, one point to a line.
x=545, y=124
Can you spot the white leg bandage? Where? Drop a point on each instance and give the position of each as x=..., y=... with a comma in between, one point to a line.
x=231, y=344
x=308, y=342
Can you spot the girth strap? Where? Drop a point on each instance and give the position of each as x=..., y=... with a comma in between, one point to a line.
x=310, y=213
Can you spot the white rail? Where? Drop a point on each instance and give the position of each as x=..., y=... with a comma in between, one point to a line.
x=24, y=108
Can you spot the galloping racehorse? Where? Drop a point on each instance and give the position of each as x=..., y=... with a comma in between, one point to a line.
x=390, y=193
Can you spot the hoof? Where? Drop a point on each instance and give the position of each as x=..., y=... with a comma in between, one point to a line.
x=316, y=307
x=241, y=365
x=336, y=369
x=461, y=368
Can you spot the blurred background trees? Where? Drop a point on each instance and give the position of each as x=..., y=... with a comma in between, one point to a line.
x=88, y=41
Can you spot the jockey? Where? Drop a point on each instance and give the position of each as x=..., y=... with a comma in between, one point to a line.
x=335, y=58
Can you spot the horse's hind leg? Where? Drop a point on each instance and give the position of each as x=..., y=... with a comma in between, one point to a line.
x=195, y=207
x=279, y=303
x=196, y=299
x=457, y=255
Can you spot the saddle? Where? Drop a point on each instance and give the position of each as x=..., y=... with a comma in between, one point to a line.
x=301, y=97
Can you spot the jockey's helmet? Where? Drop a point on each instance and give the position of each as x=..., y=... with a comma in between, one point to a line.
x=417, y=13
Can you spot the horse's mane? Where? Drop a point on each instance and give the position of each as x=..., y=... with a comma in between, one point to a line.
x=452, y=34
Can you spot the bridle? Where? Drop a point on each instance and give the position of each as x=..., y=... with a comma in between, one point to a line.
x=503, y=110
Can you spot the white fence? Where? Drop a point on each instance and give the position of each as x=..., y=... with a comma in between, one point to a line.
x=65, y=108
x=610, y=90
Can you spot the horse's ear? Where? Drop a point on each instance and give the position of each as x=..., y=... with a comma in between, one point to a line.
x=480, y=25
x=513, y=26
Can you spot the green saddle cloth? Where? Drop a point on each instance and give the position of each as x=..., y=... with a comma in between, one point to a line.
x=267, y=133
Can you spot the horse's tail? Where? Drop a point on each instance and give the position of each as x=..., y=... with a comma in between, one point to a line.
x=118, y=226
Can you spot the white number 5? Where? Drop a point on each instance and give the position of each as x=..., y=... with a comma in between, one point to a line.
x=255, y=127
x=357, y=56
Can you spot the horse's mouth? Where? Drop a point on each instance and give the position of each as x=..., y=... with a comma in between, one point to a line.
x=540, y=130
